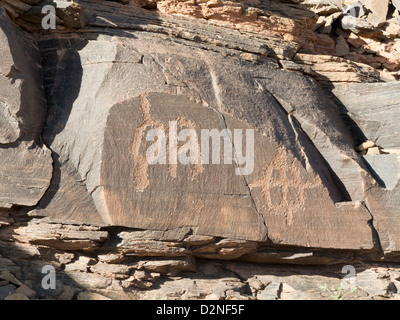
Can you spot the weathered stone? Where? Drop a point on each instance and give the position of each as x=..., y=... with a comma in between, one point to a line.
x=118, y=294
x=361, y=27
x=374, y=151
x=81, y=264
x=65, y=258
x=25, y=174
x=26, y=167
x=195, y=288
x=22, y=100
x=67, y=294
x=67, y=237
x=6, y=290
x=6, y=275
x=107, y=182
x=392, y=30
x=89, y=281
x=86, y=295
x=172, y=235
x=66, y=199
x=342, y=48
x=296, y=257
x=114, y=271
x=225, y=249
x=151, y=248
x=384, y=201
x=366, y=145
x=271, y=292
x=9, y=126
x=327, y=23
x=26, y=291
x=354, y=8
x=17, y=296
x=129, y=70
x=68, y=14
x=371, y=282
x=198, y=240
x=378, y=7
x=256, y=284
x=289, y=293
x=213, y=296
x=336, y=69
x=17, y=250
x=205, y=33
x=163, y=266
x=5, y=219
x=324, y=7
x=32, y=2
x=355, y=41
x=375, y=19
x=373, y=113
x=71, y=13
x=372, y=108
x=111, y=258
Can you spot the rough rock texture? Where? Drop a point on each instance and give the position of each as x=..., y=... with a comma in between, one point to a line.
x=26, y=165
x=204, y=190
x=77, y=192
x=374, y=111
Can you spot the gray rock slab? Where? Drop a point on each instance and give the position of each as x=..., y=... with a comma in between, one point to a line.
x=22, y=100
x=386, y=169
x=6, y=290
x=109, y=90
x=374, y=109
x=25, y=174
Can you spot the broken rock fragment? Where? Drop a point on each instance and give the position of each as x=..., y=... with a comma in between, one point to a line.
x=26, y=164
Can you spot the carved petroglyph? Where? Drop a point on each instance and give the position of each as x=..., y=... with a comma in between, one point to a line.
x=283, y=187
x=140, y=162
x=172, y=146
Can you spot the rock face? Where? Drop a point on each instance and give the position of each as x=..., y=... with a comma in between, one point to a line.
x=374, y=115
x=372, y=107
x=138, y=139
x=26, y=168
x=201, y=190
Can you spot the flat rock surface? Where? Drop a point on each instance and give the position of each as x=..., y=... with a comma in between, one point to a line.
x=22, y=102
x=187, y=150
x=374, y=108
x=25, y=174
x=373, y=114
x=122, y=184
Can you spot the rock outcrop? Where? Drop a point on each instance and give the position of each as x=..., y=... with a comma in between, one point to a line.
x=26, y=168
x=287, y=90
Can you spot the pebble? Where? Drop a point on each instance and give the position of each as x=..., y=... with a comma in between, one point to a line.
x=17, y=296
x=7, y=290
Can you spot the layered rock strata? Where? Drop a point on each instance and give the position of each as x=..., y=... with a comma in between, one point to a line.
x=78, y=103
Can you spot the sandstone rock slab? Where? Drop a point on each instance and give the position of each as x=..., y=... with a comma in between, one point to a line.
x=26, y=168
x=380, y=8
x=25, y=174
x=374, y=111
x=180, y=82
x=22, y=100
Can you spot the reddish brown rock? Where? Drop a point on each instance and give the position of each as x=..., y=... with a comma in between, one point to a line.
x=113, y=225
x=209, y=199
